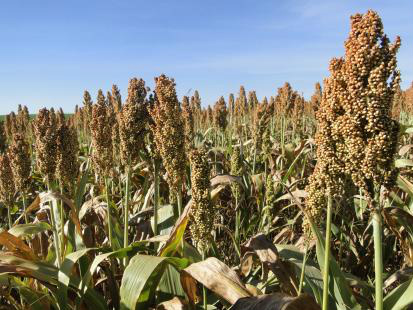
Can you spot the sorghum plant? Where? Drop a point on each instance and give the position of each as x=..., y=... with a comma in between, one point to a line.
x=45, y=131
x=356, y=136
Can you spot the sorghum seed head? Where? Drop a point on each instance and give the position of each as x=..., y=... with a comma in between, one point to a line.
x=67, y=168
x=20, y=162
x=188, y=116
x=7, y=187
x=133, y=119
x=3, y=137
x=44, y=126
x=101, y=133
x=236, y=170
x=168, y=131
x=117, y=99
x=202, y=212
x=220, y=114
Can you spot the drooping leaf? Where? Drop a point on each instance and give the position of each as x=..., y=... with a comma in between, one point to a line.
x=23, y=230
x=217, y=277
x=141, y=278
x=400, y=297
x=173, y=304
x=16, y=245
x=276, y=301
x=268, y=255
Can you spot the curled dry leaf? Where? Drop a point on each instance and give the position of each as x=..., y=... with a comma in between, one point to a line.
x=16, y=246
x=246, y=264
x=33, y=206
x=49, y=196
x=217, y=277
x=276, y=301
x=173, y=304
x=178, y=230
x=404, y=149
x=268, y=255
x=226, y=180
x=299, y=193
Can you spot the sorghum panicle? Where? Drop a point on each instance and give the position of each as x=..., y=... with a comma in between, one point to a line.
x=44, y=126
x=7, y=188
x=20, y=162
x=188, y=116
x=3, y=137
x=133, y=119
x=168, y=131
x=220, y=114
x=116, y=98
x=236, y=170
x=356, y=137
x=67, y=168
x=202, y=212
x=101, y=133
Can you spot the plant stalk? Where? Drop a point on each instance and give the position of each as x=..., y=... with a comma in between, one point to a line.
x=9, y=217
x=327, y=253
x=26, y=221
x=300, y=288
x=126, y=213
x=108, y=211
x=156, y=198
x=204, y=292
x=378, y=258
x=179, y=200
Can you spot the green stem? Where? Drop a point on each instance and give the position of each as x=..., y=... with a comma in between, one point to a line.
x=216, y=150
x=237, y=221
x=24, y=208
x=300, y=288
x=327, y=253
x=62, y=221
x=204, y=292
x=378, y=257
x=179, y=200
x=108, y=211
x=55, y=233
x=9, y=217
x=156, y=197
x=255, y=158
x=126, y=213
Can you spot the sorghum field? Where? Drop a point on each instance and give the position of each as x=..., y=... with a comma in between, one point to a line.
x=156, y=202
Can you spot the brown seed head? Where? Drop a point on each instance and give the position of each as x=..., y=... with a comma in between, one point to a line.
x=20, y=162
x=202, y=214
x=220, y=114
x=168, y=131
x=7, y=188
x=67, y=168
x=356, y=137
x=132, y=121
x=101, y=133
x=44, y=126
x=188, y=116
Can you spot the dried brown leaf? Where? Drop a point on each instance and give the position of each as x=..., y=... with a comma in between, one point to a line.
x=277, y=301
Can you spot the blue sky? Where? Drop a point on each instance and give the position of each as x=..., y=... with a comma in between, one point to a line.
x=52, y=50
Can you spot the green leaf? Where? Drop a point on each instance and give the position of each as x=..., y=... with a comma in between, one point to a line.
x=48, y=273
x=141, y=278
x=405, y=185
x=342, y=294
x=166, y=219
x=400, y=297
x=23, y=230
x=170, y=284
x=402, y=162
x=65, y=273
